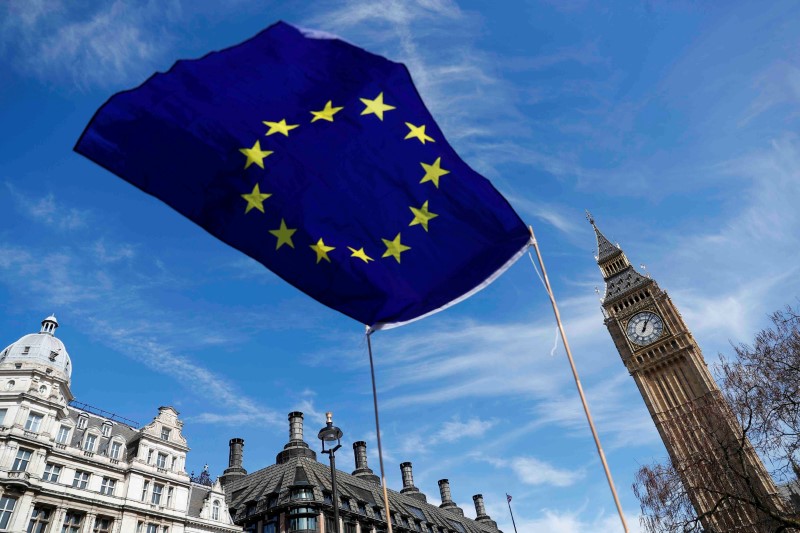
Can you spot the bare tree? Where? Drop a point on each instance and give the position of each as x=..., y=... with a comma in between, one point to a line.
x=761, y=389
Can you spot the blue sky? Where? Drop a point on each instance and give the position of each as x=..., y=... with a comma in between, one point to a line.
x=675, y=123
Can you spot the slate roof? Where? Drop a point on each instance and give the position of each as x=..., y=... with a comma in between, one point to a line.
x=624, y=282
x=269, y=488
x=605, y=249
x=197, y=495
x=118, y=429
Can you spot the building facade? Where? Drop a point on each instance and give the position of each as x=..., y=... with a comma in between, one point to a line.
x=295, y=495
x=68, y=468
x=718, y=466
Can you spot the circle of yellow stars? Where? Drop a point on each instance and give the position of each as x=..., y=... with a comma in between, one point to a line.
x=422, y=216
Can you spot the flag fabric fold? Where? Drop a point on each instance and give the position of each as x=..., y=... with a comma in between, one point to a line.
x=319, y=160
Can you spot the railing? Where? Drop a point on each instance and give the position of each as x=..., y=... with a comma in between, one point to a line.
x=60, y=446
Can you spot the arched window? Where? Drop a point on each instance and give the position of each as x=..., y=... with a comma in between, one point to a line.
x=215, y=510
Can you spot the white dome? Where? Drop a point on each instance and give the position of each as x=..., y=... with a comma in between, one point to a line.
x=42, y=348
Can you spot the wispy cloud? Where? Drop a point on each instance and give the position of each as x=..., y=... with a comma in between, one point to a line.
x=533, y=471
x=102, y=44
x=45, y=209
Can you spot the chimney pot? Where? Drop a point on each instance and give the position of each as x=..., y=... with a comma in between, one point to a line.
x=362, y=470
x=296, y=447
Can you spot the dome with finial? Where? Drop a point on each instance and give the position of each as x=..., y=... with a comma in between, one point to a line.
x=41, y=349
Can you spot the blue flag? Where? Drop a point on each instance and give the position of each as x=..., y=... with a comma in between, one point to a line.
x=319, y=160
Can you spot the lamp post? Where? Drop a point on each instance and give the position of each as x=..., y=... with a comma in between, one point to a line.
x=331, y=434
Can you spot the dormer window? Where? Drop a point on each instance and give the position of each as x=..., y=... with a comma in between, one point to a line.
x=215, y=510
x=106, y=429
x=115, y=449
x=89, y=442
x=165, y=433
x=302, y=493
x=83, y=420
x=63, y=434
x=26, y=350
x=53, y=355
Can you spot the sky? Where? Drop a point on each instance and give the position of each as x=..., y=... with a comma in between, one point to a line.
x=674, y=123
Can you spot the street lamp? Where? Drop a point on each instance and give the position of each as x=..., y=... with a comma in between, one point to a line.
x=331, y=434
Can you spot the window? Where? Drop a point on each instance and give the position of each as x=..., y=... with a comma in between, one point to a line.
x=3, y=416
x=72, y=522
x=51, y=472
x=10, y=384
x=81, y=479
x=303, y=493
x=157, y=490
x=106, y=429
x=107, y=486
x=145, y=488
x=82, y=421
x=349, y=527
x=89, y=442
x=152, y=528
x=34, y=422
x=115, y=448
x=6, y=508
x=303, y=519
x=63, y=435
x=165, y=433
x=149, y=456
x=161, y=460
x=22, y=460
x=165, y=529
x=40, y=519
x=102, y=525
x=169, y=496
x=272, y=527
x=215, y=510
x=330, y=524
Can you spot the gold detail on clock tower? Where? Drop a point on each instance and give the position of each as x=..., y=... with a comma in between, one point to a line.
x=693, y=419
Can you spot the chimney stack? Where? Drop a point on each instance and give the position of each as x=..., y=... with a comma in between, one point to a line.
x=296, y=447
x=447, y=501
x=234, y=470
x=480, y=511
x=408, y=483
x=362, y=470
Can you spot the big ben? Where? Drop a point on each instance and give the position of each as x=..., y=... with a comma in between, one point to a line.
x=726, y=482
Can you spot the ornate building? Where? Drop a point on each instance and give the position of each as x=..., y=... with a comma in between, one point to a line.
x=82, y=470
x=295, y=496
x=718, y=466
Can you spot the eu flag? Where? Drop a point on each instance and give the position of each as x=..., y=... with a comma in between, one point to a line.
x=319, y=160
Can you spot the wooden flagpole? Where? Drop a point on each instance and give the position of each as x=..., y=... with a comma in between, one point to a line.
x=578, y=382
x=378, y=433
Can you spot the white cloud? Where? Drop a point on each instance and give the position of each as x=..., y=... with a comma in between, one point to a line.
x=454, y=430
x=533, y=471
x=102, y=44
x=46, y=210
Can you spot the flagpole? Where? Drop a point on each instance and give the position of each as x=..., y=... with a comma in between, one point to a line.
x=577, y=383
x=508, y=499
x=378, y=432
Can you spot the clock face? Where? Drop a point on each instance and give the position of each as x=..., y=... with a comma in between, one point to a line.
x=644, y=328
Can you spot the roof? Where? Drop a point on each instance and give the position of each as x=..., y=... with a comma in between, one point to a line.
x=623, y=282
x=269, y=488
x=126, y=433
x=605, y=249
x=197, y=495
x=40, y=348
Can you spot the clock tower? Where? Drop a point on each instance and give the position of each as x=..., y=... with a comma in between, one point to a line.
x=716, y=463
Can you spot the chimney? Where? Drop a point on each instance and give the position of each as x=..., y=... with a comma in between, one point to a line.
x=480, y=511
x=234, y=470
x=296, y=447
x=447, y=501
x=408, y=483
x=362, y=470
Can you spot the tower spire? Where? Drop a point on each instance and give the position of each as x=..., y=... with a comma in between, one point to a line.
x=605, y=249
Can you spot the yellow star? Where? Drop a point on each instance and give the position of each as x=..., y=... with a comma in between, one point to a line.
x=322, y=250
x=255, y=155
x=394, y=248
x=422, y=215
x=434, y=172
x=361, y=254
x=376, y=106
x=255, y=199
x=326, y=113
x=279, y=127
x=418, y=132
x=284, y=235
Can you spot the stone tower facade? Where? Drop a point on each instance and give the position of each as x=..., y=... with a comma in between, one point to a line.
x=717, y=465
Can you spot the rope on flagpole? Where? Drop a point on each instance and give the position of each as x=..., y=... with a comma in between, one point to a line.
x=578, y=383
x=378, y=431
